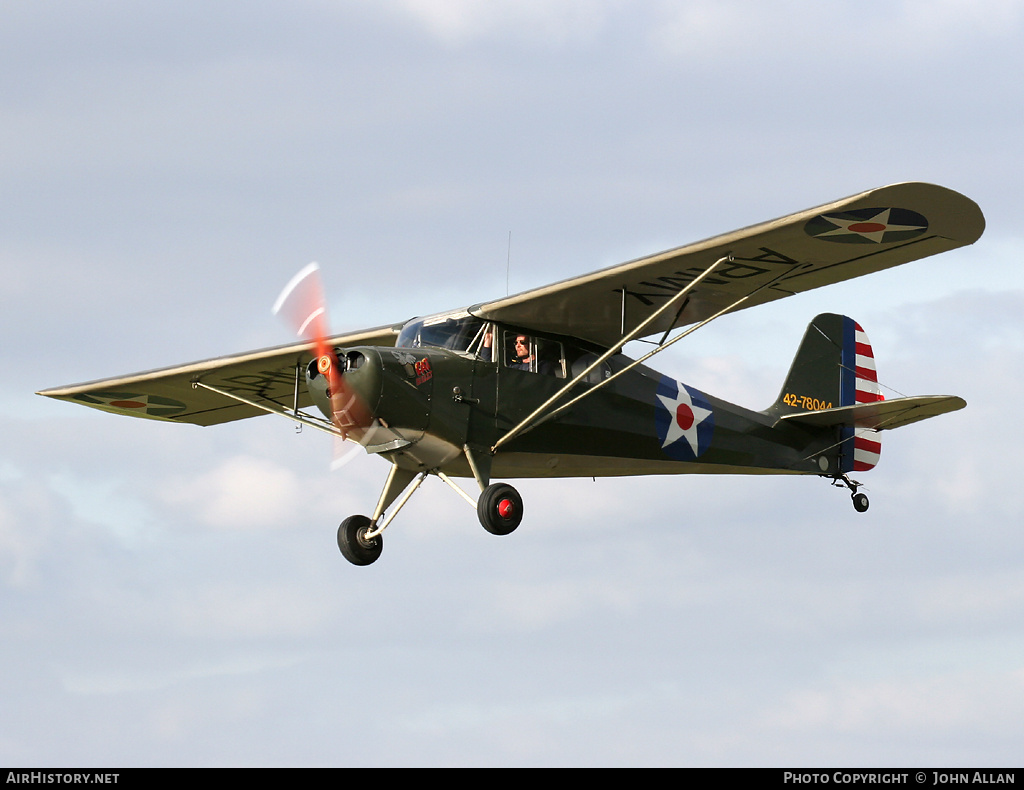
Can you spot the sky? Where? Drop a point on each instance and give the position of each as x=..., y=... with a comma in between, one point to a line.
x=173, y=595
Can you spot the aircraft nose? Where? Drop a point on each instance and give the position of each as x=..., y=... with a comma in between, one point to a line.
x=345, y=386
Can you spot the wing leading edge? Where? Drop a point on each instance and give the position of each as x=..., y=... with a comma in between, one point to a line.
x=267, y=375
x=838, y=241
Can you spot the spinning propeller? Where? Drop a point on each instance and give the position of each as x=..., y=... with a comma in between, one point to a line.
x=302, y=305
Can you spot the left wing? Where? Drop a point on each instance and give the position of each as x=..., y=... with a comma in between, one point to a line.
x=848, y=238
x=268, y=376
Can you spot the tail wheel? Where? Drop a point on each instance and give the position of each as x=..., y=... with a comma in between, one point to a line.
x=860, y=502
x=354, y=545
x=500, y=508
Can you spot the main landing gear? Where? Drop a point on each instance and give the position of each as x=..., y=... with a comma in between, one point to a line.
x=354, y=543
x=860, y=501
x=499, y=508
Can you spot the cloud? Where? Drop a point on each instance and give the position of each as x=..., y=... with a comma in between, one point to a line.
x=731, y=30
x=241, y=492
x=720, y=30
x=24, y=526
x=951, y=703
x=552, y=23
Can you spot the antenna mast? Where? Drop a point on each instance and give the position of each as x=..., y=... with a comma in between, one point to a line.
x=508, y=261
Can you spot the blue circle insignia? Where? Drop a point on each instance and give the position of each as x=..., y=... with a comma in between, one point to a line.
x=684, y=420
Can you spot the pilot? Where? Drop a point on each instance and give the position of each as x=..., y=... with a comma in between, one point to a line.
x=522, y=353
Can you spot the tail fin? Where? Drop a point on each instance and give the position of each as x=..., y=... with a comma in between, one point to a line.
x=835, y=367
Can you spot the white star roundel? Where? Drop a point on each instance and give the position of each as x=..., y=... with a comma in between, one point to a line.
x=867, y=226
x=684, y=420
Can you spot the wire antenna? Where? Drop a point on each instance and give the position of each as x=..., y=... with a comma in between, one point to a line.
x=508, y=261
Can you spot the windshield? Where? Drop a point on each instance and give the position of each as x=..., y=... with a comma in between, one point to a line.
x=455, y=332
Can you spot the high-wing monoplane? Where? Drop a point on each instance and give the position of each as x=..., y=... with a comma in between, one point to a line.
x=536, y=384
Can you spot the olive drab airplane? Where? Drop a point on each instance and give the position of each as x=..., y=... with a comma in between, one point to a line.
x=535, y=384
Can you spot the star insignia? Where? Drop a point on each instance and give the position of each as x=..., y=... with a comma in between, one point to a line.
x=685, y=420
x=133, y=403
x=867, y=226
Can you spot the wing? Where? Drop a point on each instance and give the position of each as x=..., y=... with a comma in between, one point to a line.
x=168, y=394
x=849, y=238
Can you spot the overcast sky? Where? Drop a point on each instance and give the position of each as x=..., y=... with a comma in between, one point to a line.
x=171, y=595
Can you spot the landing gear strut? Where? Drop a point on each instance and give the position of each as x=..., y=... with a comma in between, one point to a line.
x=499, y=508
x=359, y=537
x=860, y=501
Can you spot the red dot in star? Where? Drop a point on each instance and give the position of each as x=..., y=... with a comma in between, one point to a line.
x=866, y=227
x=127, y=404
x=684, y=416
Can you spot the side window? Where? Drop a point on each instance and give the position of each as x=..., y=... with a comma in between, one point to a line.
x=537, y=355
x=550, y=360
x=597, y=375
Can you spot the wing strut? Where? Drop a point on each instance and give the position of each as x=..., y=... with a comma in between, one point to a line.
x=538, y=417
x=300, y=417
x=533, y=419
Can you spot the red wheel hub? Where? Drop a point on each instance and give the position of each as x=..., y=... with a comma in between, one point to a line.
x=506, y=508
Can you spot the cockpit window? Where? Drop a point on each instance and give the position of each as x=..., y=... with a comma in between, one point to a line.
x=456, y=332
x=535, y=354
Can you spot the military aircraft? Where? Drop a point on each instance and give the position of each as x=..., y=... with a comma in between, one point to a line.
x=536, y=384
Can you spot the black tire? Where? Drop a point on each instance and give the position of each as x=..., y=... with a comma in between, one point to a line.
x=860, y=502
x=356, y=548
x=500, y=508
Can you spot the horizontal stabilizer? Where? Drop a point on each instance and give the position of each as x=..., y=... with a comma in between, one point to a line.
x=881, y=415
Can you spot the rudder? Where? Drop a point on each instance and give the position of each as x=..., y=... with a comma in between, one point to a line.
x=833, y=367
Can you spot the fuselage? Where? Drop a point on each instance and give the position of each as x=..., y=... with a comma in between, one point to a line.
x=429, y=403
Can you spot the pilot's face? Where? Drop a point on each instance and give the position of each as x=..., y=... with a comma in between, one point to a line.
x=522, y=346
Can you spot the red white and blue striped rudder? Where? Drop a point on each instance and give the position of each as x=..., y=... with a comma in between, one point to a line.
x=858, y=384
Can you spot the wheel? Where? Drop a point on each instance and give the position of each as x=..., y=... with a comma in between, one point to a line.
x=500, y=508
x=354, y=546
x=860, y=502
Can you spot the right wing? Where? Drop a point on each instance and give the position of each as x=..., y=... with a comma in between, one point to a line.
x=267, y=375
x=848, y=238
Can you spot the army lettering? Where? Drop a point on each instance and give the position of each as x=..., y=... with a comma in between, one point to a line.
x=738, y=269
